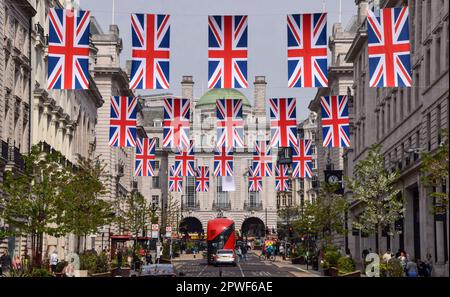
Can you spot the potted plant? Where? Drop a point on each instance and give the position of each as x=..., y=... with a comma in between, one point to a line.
x=346, y=267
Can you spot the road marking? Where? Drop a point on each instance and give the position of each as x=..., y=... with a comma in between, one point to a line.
x=206, y=266
x=240, y=268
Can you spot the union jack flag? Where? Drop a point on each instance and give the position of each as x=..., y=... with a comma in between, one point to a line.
x=254, y=181
x=282, y=183
x=122, y=123
x=335, y=121
x=176, y=123
x=223, y=162
x=307, y=50
x=230, y=125
x=175, y=180
x=202, y=179
x=68, y=49
x=144, y=164
x=283, y=122
x=150, y=51
x=227, y=52
x=389, y=48
x=302, y=159
x=185, y=161
x=262, y=157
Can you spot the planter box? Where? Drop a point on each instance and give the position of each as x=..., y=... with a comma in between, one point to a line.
x=125, y=272
x=299, y=260
x=352, y=274
x=334, y=272
x=102, y=274
x=81, y=273
x=326, y=272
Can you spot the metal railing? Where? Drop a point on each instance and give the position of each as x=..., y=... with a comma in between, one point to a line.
x=221, y=205
x=253, y=205
x=191, y=205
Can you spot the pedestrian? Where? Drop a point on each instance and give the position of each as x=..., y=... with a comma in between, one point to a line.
x=239, y=254
x=5, y=262
x=69, y=270
x=429, y=264
x=119, y=258
x=348, y=254
x=403, y=260
x=387, y=256
x=54, y=260
x=282, y=250
x=17, y=263
x=244, y=253
x=411, y=268
x=148, y=258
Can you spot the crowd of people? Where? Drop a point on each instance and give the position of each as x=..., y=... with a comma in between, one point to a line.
x=411, y=267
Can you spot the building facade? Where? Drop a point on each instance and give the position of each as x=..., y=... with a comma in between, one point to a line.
x=62, y=120
x=405, y=122
x=306, y=190
x=15, y=96
x=252, y=212
x=340, y=80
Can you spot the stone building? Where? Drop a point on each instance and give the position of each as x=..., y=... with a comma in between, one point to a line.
x=251, y=211
x=306, y=190
x=405, y=122
x=15, y=95
x=112, y=80
x=62, y=120
x=340, y=80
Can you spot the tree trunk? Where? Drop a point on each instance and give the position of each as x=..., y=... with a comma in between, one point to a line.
x=37, y=249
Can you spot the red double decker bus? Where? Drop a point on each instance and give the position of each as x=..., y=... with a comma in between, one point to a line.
x=220, y=235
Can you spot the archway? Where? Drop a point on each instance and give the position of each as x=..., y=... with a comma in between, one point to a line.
x=253, y=227
x=191, y=225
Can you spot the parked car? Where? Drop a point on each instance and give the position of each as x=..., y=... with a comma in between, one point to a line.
x=225, y=256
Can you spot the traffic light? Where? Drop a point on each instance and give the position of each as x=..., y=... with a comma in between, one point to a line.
x=291, y=231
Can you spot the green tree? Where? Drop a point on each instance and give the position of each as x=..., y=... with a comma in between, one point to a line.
x=325, y=216
x=84, y=210
x=170, y=213
x=135, y=214
x=374, y=187
x=434, y=169
x=33, y=199
x=287, y=216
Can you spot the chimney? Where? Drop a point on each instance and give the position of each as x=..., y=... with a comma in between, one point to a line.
x=187, y=87
x=259, y=104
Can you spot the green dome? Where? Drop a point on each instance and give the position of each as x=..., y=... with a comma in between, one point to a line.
x=210, y=97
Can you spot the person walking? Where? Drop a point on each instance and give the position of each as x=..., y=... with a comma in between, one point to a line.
x=411, y=268
x=387, y=256
x=244, y=253
x=119, y=258
x=54, y=261
x=5, y=262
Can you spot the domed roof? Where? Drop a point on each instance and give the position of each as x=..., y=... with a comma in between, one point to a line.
x=210, y=97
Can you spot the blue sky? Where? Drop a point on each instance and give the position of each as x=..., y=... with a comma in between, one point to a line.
x=267, y=36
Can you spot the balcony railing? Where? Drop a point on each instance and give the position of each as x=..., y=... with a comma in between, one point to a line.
x=191, y=205
x=4, y=150
x=221, y=205
x=17, y=157
x=254, y=205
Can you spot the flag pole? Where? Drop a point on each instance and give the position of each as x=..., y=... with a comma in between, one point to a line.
x=323, y=5
x=340, y=11
x=113, y=11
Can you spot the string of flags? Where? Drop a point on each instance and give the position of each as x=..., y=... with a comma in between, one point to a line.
x=388, y=50
x=68, y=66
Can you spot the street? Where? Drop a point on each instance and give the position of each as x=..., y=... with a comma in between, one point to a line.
x=253, y=267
